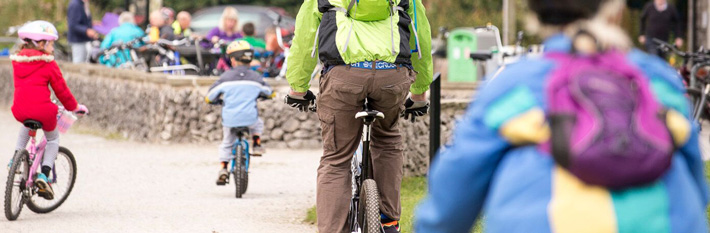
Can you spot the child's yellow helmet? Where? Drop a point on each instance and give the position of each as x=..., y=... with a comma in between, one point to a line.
x=241, y=51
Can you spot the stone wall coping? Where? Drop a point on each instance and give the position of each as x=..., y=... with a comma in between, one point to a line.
x=187, y=80
x=95, y=70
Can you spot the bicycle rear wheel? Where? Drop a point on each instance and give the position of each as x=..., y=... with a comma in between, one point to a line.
x=369, y=208
x=241, y=178
x=62, y=181
x=15, y=185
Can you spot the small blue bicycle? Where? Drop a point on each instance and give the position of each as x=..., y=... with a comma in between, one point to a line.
x=240, y=162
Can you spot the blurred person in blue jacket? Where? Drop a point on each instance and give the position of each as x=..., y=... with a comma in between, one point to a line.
x=497, y=165
x=127, y=31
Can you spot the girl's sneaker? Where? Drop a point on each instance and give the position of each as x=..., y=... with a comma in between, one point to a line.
x=45, y=190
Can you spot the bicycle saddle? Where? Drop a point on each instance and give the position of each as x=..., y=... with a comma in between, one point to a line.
x=240, y=130
x=32, y=124
x=371, y=113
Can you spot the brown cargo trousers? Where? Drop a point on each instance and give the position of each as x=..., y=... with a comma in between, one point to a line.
x=343, y=90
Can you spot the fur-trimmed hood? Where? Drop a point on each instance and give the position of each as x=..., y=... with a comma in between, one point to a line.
x=30, y=55
x=28, y=61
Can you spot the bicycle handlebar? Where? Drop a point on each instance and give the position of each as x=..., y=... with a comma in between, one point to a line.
x=181, y=42
x=481, y=56
x=700, y=56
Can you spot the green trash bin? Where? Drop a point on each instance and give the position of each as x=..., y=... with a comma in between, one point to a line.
x=460, y=44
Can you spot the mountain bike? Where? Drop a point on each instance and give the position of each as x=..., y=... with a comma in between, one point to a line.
x=25, y=165
x=168, y=57
x=364, y=214
x=697, y=86
x=123, y=55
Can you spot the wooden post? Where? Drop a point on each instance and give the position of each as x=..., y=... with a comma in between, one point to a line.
x=509, y=30
x=691, y=25
x=506, y=23
x=155, y=4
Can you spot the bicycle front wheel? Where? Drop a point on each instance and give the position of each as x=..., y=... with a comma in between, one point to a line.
x=15, y=185
x=62, y=182
x=241, y=178
x=369, y=208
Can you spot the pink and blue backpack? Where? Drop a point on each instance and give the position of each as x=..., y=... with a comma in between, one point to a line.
x=606, y=126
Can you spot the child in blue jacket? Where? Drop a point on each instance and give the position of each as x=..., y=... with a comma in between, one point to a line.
x=520, y=187
x=239, y=89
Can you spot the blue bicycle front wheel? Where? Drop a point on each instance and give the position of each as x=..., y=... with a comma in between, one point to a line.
x=241, y=178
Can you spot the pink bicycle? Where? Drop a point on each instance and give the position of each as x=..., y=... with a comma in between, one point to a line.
x=20, y=188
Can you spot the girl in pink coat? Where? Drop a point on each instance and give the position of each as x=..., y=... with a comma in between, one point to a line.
x=34, y=71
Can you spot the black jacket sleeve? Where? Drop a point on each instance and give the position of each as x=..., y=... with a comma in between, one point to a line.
x=676, y=22
x=644, y=17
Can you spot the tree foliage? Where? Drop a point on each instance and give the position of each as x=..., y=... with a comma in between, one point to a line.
x=447, y=13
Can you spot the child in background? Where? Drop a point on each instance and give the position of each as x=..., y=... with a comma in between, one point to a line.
x=239, y=88
x=34, y=70
x=517, y=156
x=249, y=32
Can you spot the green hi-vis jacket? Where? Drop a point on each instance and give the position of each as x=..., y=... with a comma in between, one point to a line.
x=343, y=40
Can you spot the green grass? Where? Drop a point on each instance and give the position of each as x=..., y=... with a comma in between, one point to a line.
x=311, y=216
x=413, y=190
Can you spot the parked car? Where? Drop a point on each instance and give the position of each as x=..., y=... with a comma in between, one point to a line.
x=263, y=17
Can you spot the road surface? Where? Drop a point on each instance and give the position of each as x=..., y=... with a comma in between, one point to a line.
x=127, y=186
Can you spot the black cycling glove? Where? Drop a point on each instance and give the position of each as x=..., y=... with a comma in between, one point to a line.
x=415, y=109
x=302, y=103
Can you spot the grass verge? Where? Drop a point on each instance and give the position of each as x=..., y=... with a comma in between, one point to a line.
x=413, y=190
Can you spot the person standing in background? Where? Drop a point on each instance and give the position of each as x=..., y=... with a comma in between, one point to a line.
x=228, y=28
x=80, y=32
x=170, y=13
x=181, y=27
x=658, y=19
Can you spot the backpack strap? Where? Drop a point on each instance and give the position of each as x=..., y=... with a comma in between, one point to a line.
x=339, y=9
x=350, y=7
x=392, y=10
x=315, y=43
x=415, y=29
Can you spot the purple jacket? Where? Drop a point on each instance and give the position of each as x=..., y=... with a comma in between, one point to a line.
x=222, y=35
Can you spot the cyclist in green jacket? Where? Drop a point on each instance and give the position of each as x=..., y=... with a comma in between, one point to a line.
x=374, y=49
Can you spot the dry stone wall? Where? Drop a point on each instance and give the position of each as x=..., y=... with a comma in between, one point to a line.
x=158, y=109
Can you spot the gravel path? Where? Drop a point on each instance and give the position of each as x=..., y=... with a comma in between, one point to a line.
x=133, y=187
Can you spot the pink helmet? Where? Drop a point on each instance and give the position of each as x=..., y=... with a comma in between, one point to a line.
x=38, y=30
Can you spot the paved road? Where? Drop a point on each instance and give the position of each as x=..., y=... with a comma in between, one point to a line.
x=132, y=187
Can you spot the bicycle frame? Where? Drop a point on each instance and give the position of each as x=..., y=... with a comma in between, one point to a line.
x=245, y=143
x=361, y=169
x=36, y=154
x=705, y=90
